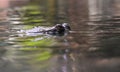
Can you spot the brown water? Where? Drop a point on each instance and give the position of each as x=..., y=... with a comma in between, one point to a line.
x=91, y=46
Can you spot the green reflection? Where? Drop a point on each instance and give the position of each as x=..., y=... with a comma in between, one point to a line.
x=31, y=42
x=34, y=52
x=33, y=16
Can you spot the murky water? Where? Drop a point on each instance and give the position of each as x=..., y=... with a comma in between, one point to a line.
x=91, y=46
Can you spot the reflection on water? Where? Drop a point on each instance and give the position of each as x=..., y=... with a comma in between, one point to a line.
x=91, y=46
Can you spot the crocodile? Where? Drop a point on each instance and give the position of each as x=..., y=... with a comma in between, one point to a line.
x=58, y=29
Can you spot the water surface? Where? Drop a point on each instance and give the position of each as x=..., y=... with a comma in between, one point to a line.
x=91, y=46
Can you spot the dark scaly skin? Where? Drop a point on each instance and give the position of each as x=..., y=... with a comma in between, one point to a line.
x=59, y=29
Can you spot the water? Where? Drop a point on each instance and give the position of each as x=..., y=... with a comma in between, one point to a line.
x=91, y=46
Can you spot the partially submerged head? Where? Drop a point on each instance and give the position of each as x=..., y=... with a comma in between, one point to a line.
x=66, y=26
x=59, y=28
